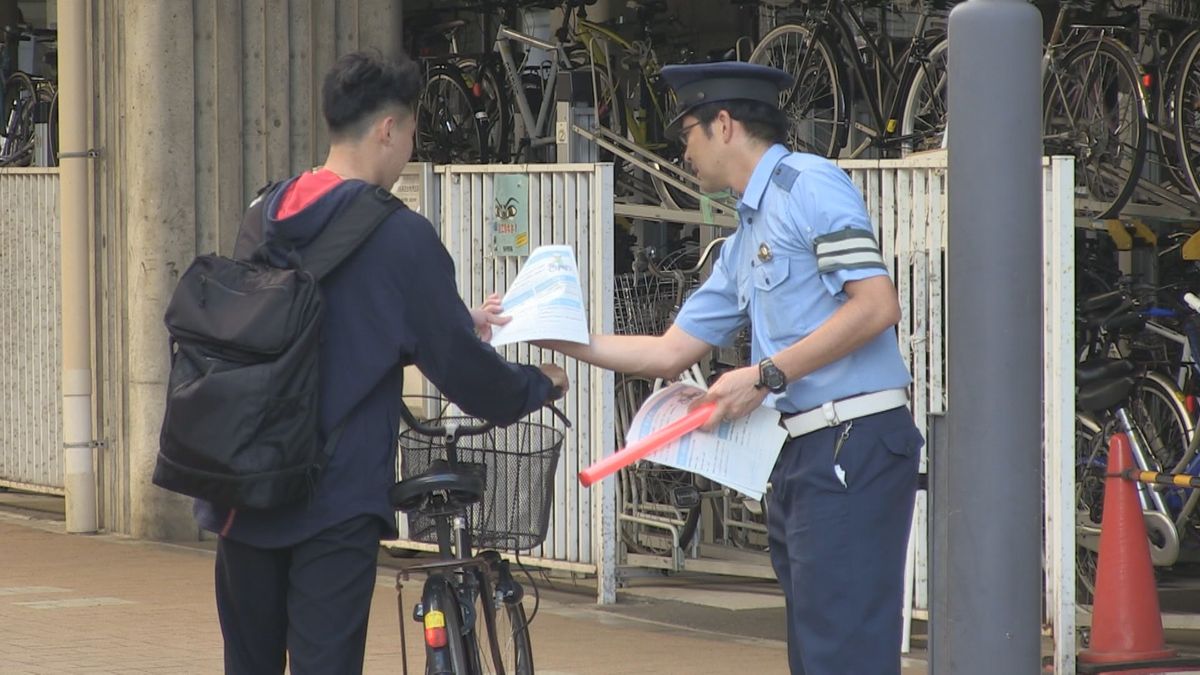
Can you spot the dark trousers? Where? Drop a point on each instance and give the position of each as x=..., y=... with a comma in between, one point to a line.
x=309, y=602
x=839, y=549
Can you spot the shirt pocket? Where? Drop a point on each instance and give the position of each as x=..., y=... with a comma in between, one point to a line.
x=774, y=308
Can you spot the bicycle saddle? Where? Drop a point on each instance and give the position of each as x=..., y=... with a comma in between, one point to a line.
x=1099, y=396
x=446, y=26
x=411, y=494
x=1097, y=370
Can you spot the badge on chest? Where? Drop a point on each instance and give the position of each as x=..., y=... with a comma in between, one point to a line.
x=764, y=252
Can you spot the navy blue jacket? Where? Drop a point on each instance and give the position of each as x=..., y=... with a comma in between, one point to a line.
x=392, y=303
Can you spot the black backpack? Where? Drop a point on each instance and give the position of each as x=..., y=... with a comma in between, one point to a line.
x=240, y=428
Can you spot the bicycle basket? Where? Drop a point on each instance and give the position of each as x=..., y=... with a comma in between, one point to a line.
x=517, y=463
x=642, y=303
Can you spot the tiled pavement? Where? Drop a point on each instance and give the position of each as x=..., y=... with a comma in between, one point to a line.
x=108, y=604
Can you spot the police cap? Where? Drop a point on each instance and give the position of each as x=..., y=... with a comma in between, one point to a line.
x=699, y=83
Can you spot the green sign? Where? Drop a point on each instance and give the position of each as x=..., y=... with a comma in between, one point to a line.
x=510, y=215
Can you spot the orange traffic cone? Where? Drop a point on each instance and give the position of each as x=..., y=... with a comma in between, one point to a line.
x=1126, y=621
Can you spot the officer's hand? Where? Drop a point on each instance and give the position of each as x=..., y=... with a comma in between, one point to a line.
x=735, y=396
x=558, y=376
x=488, y=314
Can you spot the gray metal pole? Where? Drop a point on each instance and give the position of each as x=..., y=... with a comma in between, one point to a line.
x=987, y=481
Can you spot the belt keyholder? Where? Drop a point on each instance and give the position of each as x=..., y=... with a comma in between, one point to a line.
x=830, y=412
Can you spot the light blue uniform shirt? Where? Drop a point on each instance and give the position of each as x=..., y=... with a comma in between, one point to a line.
x=804, y=233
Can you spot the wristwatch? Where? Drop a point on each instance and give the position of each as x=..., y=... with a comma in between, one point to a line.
x=770, y=377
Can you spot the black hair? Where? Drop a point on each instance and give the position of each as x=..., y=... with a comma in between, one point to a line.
x=362, y=84
x=763, y=121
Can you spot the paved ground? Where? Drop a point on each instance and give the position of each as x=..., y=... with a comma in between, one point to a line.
x=108, y=604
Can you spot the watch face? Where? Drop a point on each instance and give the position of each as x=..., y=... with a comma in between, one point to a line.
x=772, y=377
x=775, y=379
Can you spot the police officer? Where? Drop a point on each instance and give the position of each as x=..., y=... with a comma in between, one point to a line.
x=804, y=269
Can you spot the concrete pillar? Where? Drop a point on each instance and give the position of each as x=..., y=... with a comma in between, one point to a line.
x=160, y=194
x=986, y=614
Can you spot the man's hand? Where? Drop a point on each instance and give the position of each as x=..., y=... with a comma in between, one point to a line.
x=558, y=376
x=735, y=396
x=488, y=314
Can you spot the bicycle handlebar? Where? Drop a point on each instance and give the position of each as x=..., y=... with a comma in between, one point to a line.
x=700, y=263
x=459, y=430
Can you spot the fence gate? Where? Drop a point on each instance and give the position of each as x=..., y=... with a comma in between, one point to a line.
x=568, y=204
x=30, y=339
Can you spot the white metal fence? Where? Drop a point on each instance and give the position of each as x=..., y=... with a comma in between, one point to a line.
x=568, y=204
x=907, y=202
x=30, y=340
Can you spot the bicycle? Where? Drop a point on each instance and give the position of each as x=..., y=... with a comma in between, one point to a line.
x=27, y=102
x=904, y=94
x=466, y=116
x=467, y=484
x=1115, y=394
x=660, y=507
x=1161, y=48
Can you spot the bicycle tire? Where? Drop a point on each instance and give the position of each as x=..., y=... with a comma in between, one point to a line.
x=1168, y=146
x=438, y=595
x=492, y=96
x=1089, y=499
x=817, y=103
x=1159, y=411
x=53, y=127
x=511, y=628
x=1187, y=116
x=16, y=120
x=448, y=128
x=1108, y=162
x=923, y=124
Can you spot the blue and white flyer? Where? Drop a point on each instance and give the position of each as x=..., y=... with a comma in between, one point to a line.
x=545, y=301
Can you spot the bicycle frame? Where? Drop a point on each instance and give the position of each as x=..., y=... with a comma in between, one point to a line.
x=535, y=127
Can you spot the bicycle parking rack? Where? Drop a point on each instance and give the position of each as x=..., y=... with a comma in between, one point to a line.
x=712, y=212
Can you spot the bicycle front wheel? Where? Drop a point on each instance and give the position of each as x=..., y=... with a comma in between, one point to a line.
x=1158, y=409
x=923, y=126
x=1094, y=109
x=816, y=103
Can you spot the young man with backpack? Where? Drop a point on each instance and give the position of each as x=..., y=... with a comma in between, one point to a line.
x=294, y=581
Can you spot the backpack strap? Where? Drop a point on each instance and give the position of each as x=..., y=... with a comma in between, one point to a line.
x=250, y=234
x=348, y=230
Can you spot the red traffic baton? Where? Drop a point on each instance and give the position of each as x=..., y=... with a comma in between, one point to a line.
x=640, y=449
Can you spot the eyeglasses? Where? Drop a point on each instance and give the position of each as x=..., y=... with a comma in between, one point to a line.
x=684, y=132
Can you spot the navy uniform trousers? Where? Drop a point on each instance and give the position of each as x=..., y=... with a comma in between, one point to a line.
x=307, y=604
x=838, y=542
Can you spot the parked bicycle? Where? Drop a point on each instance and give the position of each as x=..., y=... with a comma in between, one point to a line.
x=28, y=103
x=852, y=77
x=467, y=485
x=1117, y=394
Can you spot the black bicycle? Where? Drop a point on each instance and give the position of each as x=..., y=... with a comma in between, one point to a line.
x=468, y=484
x=851, y=75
